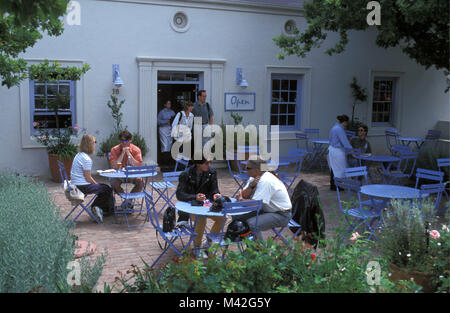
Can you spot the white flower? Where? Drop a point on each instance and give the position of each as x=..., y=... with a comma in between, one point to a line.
x=408, y=255
x=444, y=227
x=342, y=269
x=389, y=274
x=399, y=253
x=439, y=244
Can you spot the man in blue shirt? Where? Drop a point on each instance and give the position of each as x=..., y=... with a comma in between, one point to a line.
x=203, y=109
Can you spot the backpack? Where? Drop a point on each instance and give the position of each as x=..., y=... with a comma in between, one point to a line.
x=308, y=213
x=169, y=219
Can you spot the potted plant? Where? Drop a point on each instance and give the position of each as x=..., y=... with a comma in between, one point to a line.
x=359, y=94
x=415, y=249
x=113, y=140
x=57, y=140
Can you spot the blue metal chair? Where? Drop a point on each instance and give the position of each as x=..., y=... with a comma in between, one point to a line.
x=312, y=132
x=171, y=237
x=128, y=197
x=428, y=174
x=362, y=174
x=295, y=156
x=351, y=206
x=444, y=163
x=181, y=163
x=405, y=167
x=350, y=134
x=230, y=209
x=75, y=203
x=391, y=137
x=240, y=177
x=430, y=189
x=162, y=188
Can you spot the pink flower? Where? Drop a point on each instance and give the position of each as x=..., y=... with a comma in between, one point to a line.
x=35, y=124
x=354, y=237
x=44, y=137
x=313, y=256
x=445, y=228
x=435, y=234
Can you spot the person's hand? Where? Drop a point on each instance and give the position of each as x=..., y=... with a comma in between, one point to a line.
x=255, y=181
x=239, y=196
x=200, y=197
x=217, y=195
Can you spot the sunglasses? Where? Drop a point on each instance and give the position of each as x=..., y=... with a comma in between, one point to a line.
x=123, y=140
x=249, y=168
x=361, y=130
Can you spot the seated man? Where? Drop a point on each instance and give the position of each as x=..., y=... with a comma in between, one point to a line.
x=126, y=154
x=360, y=143
x=276, y=204
x=199, y=182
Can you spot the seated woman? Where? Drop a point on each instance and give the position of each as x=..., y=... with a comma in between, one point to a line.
x=360, y=143
x=276, y=207
x=81, y=177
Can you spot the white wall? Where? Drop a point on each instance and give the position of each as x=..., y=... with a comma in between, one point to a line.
x=119, y=32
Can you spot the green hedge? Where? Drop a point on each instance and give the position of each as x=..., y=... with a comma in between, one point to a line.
x=36, y=246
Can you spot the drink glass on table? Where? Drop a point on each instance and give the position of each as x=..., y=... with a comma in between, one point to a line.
x=119, y=166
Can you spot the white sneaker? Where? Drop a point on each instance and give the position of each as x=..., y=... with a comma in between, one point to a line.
x=182, y=224
x=98, y=213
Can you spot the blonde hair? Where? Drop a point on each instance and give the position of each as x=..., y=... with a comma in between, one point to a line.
x=86, y=144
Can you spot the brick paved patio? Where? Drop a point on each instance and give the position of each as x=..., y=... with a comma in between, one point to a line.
x=128, y=247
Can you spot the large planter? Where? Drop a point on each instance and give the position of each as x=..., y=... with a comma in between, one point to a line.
x=54, y=169
x=420, y=278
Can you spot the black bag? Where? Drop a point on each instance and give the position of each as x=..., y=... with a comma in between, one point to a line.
x=169, y=219
x=308, y=213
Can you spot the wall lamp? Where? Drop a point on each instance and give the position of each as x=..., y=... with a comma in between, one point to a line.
x=117, y=81
x=240, y=80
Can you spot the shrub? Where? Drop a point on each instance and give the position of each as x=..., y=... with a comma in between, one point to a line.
x=35, y=245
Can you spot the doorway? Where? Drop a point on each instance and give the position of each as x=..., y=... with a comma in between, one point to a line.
x=176, y=87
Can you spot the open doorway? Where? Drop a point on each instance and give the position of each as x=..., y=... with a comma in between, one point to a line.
x=176, y=87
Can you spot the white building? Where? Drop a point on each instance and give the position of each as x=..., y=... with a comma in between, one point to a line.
x=168, y=49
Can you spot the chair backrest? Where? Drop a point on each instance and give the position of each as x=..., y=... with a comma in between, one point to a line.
x=360, y=171
x=430, y=189
x=312, y=132
x=398, y=149
x=428, y=174
x=304, y=137
x=443, y=163
x=231, y=156
x=171, y=176
x=391, y=137
x=141, y=170
x=408, y=162
x=350, y=193
x=251, y=150
x=63, y=173
x=181, y=161
x=151, y=211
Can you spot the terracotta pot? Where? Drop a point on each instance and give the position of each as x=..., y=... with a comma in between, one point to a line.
x=420, y=278
x=54, y=170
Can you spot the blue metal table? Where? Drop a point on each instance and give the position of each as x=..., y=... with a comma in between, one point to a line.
x=385, y=161
x=408, y=140
x=390, y=192
x=319, y=149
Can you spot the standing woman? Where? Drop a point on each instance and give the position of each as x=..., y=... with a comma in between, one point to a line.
x=81, y=177
x=164, y=117
x=185, y=117
x=337, y=160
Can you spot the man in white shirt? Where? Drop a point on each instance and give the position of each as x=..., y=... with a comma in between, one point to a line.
x=276, y=207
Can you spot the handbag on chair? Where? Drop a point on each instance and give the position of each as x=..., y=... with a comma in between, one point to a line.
x=72, y=193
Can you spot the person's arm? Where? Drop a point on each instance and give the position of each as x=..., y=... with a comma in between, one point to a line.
x=343, y=139
x=114, y=160
x=176, y=120
x=135, y=157
x=89, y=179
x=249, y=190
x=181, y=193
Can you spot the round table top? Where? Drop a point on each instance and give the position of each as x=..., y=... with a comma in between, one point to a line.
x=322, y=141
x=391, y=191
x=203, y=210
x=121, y=174
x=377, y=158
x=410, y=138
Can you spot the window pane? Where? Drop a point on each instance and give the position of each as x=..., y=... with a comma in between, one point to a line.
x=178, y=76
x=163, y=76
x=274, y=109
x=275, y=84
x=192, y=77
x=283, y=120
x=284, y=84
x=275, y=96
x=49, y=121
x=291, y=120
x=285, y=96
x=292, y=96
x=283, y=108
x=274, y=120
x=291, y=108
x=293, y=84
x=39, y=89
x=64, y=89
x=39, y=103
x=52, y=89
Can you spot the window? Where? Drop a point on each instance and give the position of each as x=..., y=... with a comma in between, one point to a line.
x=44, y=97
x=285, y=103
x=383, y=101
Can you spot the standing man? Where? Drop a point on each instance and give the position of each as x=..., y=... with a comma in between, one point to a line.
x=165, y=129
x=126, y=154
x=203, y=109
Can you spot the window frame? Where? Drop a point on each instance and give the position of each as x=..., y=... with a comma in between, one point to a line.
x=298, y=102
x=71, y=111
x=393, y=102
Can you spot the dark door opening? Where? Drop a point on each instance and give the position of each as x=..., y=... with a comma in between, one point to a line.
x=177, y=93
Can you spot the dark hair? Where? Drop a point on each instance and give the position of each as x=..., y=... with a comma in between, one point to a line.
x=125, y=134
x=200, y=92
x=187, y=104
x=366, y=129
x=342, y=118
x=202, y=161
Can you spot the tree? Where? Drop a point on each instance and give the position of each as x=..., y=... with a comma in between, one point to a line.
x=419, y=27
x=21, y=25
